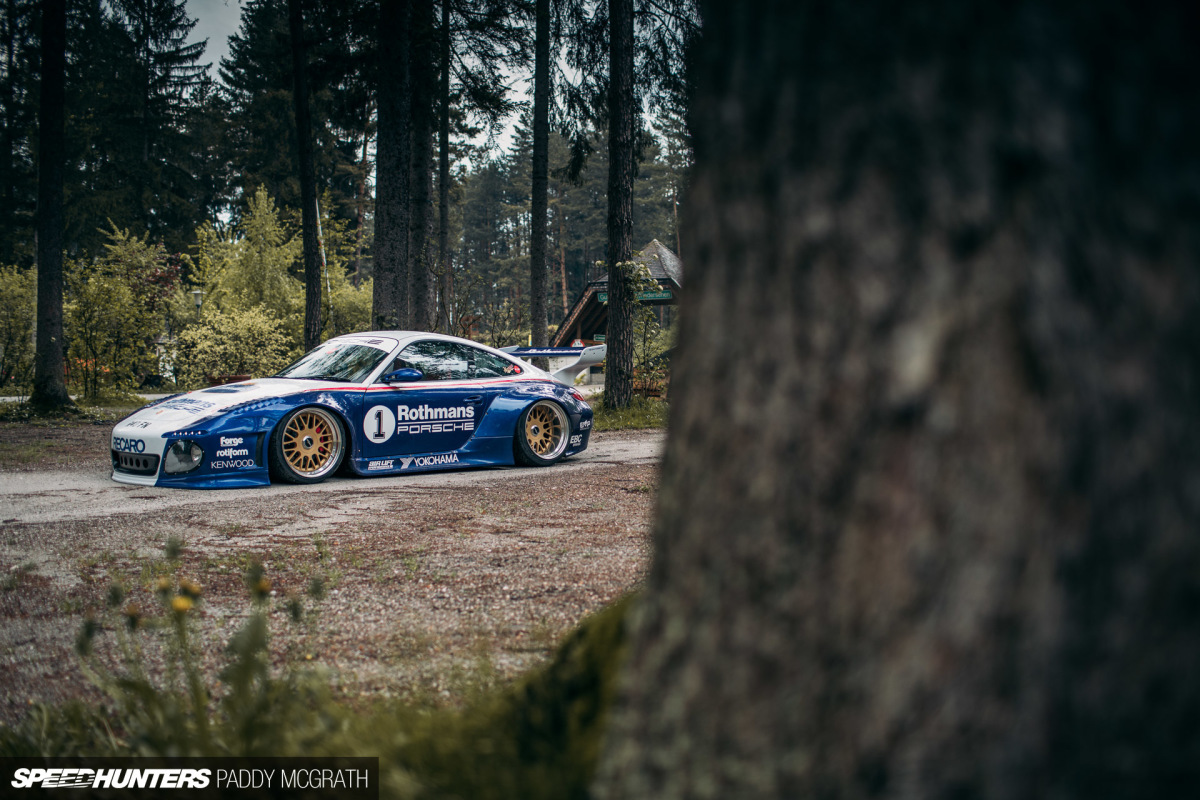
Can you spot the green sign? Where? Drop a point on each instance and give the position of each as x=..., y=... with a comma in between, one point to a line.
x=599, y=337
x=665, y=294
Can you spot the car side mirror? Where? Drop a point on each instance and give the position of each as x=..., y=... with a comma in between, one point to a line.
x=403, y=375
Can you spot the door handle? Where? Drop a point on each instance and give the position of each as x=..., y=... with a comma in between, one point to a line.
x=474, y=399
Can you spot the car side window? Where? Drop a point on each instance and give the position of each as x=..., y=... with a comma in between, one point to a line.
x=485, y=365
x=439, y=361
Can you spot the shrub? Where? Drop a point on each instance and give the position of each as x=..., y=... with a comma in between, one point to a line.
x=234, y=342
x=115, y=311
x=18, y=306
x=254, y=270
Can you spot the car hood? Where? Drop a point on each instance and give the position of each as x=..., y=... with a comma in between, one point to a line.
x=183, y=410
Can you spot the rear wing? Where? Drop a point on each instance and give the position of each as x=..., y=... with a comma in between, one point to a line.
x=584, y=357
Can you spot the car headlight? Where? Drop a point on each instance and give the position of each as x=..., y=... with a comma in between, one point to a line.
x=183, y=456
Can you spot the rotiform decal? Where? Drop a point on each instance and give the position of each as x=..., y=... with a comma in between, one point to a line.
x=231, y=449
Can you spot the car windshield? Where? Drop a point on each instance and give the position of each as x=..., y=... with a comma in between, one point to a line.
x=337, y=361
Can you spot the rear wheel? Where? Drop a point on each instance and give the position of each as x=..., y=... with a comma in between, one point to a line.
x=542, y=434
x=307, y=446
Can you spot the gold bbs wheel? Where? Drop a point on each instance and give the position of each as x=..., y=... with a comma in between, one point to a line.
x=543, y=433
x=308, y=445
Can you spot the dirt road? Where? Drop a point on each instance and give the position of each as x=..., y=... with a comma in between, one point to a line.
x=430, y=581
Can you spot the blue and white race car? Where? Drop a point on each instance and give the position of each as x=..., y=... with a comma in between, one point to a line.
x=376, y=403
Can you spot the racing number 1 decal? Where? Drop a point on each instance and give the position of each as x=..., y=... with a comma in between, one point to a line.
x=379, y=424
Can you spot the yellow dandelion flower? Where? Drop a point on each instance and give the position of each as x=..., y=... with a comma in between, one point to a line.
x=181, y=604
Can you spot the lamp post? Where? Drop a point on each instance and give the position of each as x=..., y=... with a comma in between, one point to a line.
x=198, y=296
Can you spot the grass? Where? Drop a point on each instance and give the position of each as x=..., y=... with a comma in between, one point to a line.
x=642, y=412
x=26, y=453
x=538, y=737
x=25, y=413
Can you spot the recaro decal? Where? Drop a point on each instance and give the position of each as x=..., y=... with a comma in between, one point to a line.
x=123, y=445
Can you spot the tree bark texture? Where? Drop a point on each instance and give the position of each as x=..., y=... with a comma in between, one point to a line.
x=423, y=61
x=538, y=273
x=8, y=152
x=308, y=178
x=446, y=272
x=929, y=509
x=49, y=387
x=622, y=129
x=390, y=300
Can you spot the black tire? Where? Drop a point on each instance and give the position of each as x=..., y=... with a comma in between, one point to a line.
x=543, y=431
x=307, y=445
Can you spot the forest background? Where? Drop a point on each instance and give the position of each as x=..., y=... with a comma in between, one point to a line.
x=181, y=197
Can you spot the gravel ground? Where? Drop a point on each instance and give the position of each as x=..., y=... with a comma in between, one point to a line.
x=433, y=582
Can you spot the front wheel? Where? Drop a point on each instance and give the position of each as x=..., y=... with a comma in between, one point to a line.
x=542, y=434
x=306, y=446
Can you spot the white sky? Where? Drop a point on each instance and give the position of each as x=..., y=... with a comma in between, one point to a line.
x=216, y=20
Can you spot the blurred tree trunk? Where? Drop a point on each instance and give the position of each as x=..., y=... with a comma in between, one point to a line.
x=423, y=61
x=622, y=129
x=929, y=510
x=446, y=273
x=538, y=273
x=390, y=298
x=49, y=388
x=308, y=178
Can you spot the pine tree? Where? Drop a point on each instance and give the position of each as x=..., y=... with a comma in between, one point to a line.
x=392, y=306
x=161, y=73
x=18, y=177
x=49, y=389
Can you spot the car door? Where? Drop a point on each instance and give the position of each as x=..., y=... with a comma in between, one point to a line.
x=437, y=414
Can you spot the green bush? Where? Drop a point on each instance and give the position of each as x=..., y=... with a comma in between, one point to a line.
x=115, y=312
x=252, y=267
x=642, y=412
x=235, y=342
x=18, y=307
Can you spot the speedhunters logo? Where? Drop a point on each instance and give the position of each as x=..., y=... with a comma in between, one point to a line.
x=67, y=778
x=223, y=778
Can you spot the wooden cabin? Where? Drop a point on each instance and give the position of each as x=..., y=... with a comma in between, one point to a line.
x=587, y=321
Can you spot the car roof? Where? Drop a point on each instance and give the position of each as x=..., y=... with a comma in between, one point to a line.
x=404, y=337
